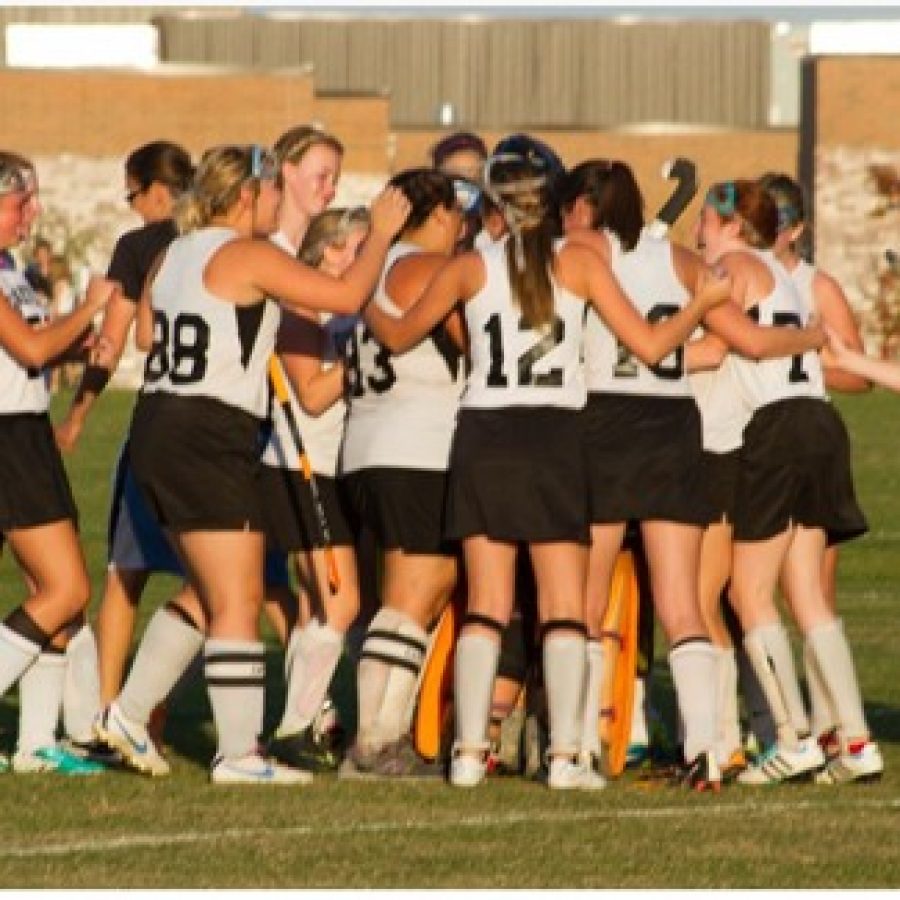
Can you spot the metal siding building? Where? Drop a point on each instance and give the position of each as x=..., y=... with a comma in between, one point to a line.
x=566, y=73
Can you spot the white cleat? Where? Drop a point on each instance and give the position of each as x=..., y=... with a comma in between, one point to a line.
x=864, y=765
x=467, y=769
x=254, y=769
x=779, y=764
x=567, y=774
x=132, y=740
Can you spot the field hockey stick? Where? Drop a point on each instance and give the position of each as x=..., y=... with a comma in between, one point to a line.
x=684, y=172
x=280, y=389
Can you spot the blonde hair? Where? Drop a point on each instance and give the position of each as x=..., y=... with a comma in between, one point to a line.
x=216, y=188
x=294, y=144
x=328, y=229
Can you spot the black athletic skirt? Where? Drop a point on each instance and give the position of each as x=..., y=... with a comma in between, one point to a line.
x=720, y=475
x=645, y=457
x=196, y=461
x=291, y=521
x=34, y=487
x=519, y=474
x=795, y=469
x=404, y=508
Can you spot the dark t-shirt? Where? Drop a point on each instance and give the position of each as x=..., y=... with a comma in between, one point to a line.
x=135, y=253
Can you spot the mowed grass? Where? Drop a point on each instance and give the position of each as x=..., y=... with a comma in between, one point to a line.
x=120, y=830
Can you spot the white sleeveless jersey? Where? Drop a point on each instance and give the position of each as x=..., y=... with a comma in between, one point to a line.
x=513, y=364
x=770, y=380
x=205, y=346
x=402, y=406
x=22, y=390
x=647, y=275
x=723, y=411
x=321, y=435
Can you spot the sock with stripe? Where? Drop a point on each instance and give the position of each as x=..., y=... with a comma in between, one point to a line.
x=235, y=678
x=390, y=660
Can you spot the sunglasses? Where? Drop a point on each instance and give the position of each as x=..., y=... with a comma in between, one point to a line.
x=467, y=194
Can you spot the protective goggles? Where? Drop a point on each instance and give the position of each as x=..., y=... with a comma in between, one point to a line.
x=468, y=195
x=12, y=180
x=263, y=164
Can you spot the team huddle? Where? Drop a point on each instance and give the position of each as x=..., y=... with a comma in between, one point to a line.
x=467, y=396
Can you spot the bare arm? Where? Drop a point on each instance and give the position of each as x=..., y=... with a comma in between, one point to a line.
x=585, y=273
x=301, y=346
x=742, y=334
x=35, y=347
x=705, y=354
x=102, y=361
x=834, y=310
x=879, y=371
x=454, y=282
x=246, y=270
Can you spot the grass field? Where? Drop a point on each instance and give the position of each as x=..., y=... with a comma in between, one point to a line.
x=122, y=831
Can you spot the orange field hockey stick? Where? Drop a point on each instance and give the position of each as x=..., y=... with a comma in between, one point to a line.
x=280, y=388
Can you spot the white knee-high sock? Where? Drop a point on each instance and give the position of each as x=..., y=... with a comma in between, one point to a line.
x=694, y=672
x=310, y=667
x=832, y=652
x=822, y=714
x=759, y=716
x=235, y=678
x=81, y=689
x=593, y=682
x=564, y=665
x=729, y=731
x=40, y=699
x=389, y=664
x=474, y=671
x=167, y=649
x=640, y=732
x=770, y=653
x=20, y=644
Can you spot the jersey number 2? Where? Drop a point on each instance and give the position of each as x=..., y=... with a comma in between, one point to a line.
x=527, y=359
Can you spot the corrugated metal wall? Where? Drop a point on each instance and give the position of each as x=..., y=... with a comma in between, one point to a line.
x=589, y=73
x=500, y=73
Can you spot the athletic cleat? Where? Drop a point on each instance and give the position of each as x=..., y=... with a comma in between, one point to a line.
x=254, y=769
x=54, y=758
x=94, y=751
x=736, y=764
x=467, y=769
x=830, y=743
x=863, y=765
x=303, y=750
x=700, y=775
x=779, y=764
x=132, y=740
x=636, y=755
x=396, y=760
x=566, y=774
